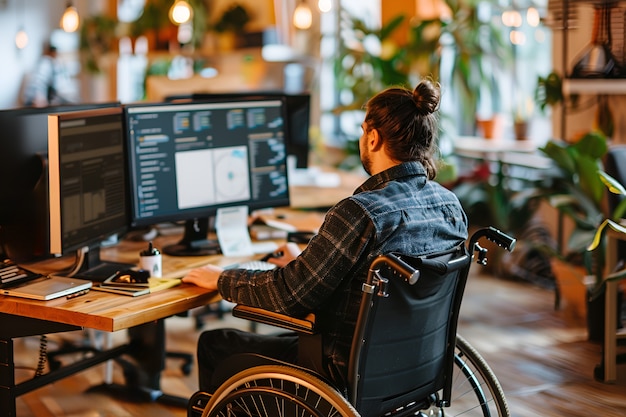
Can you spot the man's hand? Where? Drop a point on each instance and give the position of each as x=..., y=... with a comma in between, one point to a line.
x=290, y=252
x=205, y=277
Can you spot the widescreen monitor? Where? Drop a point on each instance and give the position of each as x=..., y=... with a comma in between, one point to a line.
x=88, y=183
x=188, y=159
x=23, y=179
x=298, y=117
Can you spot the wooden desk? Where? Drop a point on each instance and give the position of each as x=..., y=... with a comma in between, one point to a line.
x=109, y=312
x=95, y=310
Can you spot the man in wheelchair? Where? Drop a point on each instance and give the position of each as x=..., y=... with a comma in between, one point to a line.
x=400, y=208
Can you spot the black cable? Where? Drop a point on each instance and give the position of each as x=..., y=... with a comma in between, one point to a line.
x=43, y=348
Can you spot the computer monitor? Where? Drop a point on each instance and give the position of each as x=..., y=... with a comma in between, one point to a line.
x=23, y=181
x=298, y=113
x=88, y=185
x=188, y=159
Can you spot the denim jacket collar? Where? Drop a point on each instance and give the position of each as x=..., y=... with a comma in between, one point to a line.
x=405, y=169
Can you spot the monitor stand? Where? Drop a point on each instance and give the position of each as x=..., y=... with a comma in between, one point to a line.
x=194, y=241
x=95, y=269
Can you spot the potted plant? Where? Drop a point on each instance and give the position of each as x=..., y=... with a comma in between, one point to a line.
x=231, y=25
x=597, y=294
x=368, y=61
x=480, y=50
x=577, y=189
x=549, y=91
x=522, y=114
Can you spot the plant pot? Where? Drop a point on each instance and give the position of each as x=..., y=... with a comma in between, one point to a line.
x=490, y=128
x=571, y=290
x=521, y=130
x=576, y=303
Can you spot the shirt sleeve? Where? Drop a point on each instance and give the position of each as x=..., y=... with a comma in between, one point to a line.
x=305, y=283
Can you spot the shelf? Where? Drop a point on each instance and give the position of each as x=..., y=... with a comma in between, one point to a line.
x=594, y=86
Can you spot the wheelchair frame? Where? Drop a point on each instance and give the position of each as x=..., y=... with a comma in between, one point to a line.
x=270, y=388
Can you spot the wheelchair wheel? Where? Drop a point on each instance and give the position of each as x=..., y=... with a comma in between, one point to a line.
x=475, y=389
x=277, y=391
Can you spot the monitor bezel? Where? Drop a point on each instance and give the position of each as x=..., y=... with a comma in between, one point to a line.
x=57, y=245
x=24, y=228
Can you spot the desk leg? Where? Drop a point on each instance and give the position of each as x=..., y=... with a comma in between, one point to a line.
x=147, y=348
x=143, y=375
x=7, y=379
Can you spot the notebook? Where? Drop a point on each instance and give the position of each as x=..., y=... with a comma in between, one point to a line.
x=48, y=288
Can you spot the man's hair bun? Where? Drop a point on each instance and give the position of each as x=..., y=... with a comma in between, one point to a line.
x=426, y=97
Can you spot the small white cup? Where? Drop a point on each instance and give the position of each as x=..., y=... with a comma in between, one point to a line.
x=151, y=263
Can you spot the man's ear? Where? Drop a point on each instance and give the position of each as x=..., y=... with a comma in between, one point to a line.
x=374, y=140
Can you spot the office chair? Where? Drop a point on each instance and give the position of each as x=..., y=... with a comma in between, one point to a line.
x=406, y=357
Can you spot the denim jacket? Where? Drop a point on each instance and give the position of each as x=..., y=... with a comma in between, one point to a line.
x=397, y=210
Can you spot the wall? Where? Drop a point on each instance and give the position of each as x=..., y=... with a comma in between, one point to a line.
x=37, y=18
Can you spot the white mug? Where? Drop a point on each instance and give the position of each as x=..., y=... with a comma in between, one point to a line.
x=151, y=263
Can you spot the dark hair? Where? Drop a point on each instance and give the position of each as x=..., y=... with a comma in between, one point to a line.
x=407, y=122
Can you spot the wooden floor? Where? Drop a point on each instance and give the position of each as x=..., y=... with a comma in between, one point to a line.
x=541, y=356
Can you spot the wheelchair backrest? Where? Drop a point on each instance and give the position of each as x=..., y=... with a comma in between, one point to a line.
x=403, y=348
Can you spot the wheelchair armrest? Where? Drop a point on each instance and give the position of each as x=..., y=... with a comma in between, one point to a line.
x=305, y=325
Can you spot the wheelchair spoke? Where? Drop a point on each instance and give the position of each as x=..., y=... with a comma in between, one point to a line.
x=274, y=394
x=475, y=388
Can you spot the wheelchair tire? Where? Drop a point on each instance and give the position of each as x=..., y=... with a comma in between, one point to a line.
x=476, y=390
x=274, y=391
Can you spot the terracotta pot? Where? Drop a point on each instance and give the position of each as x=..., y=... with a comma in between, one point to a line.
x=521, y=130
x=572, y=291
x=490, y=128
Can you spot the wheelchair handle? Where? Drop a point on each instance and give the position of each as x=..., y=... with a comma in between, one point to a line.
x=410, y=274
x=496, y=236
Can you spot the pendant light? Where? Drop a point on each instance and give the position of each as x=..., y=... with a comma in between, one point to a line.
x=180, y=12
x=70, y=19
x=21, y=37
x=302, y=16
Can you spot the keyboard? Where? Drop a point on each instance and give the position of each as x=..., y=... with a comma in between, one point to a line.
x=254, y=265
x=12, y=274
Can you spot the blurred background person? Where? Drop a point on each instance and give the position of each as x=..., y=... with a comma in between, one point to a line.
x=45, y=85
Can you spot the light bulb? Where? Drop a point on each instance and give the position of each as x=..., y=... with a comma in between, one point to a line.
x=21, y=39
x=325, y=5
x=532, y=16
x=302, y=16
x=70, y=19
x=180, y=12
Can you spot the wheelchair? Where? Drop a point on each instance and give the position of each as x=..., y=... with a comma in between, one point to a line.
x=406, y=357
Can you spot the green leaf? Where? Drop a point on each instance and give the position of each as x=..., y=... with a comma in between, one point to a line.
x=593, y=144
x=589, y=180
x=600, y=232
x=597, y=238
x=559, y=154
x=612, y=184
